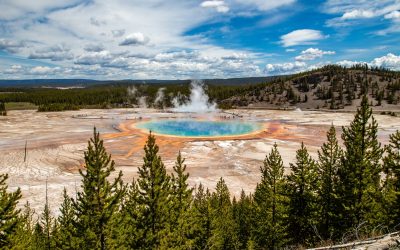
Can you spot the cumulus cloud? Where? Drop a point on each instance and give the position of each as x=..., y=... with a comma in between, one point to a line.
x=390, y=61
x=312, y=54
x=393, y=15
x=93, y=58
x=355, y=14
x=285, y=68
x=58, y=52
x=352, y=11
x=135, y=39
x=10, y=46
x=44, y=70
x=301, y=37
x=94, y=47
x=218, y=5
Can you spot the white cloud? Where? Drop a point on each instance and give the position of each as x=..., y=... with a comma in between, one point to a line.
x=393, y=15
x=353, y=11
x=312, y=54
x=58, y=52
x=265, y=5
x=355, y=14
x=285, y=68
x=94, y=47
x=10, y=46
x=135, y=39
x=390, y=61
x=44, y=70
x=347, y=63
x=218, y=5
x=301, y=37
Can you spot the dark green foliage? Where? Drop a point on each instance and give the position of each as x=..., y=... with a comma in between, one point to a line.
x=201, y=216
x=178, y=231
x=64, y=237
x=223, y=227
x=8, y=211
x=244, y=219
x=99, y=199
x=270, y=203
x=328, y=166
x=391, y=188
x=360, y=175
x=302, y=192
x=3, y=111
x=53, y=107
x=153, y=197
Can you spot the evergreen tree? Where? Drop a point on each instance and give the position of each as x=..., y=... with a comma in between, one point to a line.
x=23, y=235
x=328, y=166
x=128, y=230
x=181, y=192
x=223, y=228
x=3, y=111
x=99, y=199
x=360, y=175
x=46, y=225
x=201, y=213
x=154, y=195
x=302, y=187
x=178, y=233
x=8, y=211
x=270, y=203
x=65, y=234
x=392, y=181
x=243, y=215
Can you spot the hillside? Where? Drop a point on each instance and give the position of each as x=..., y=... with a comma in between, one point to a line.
x=330, y=87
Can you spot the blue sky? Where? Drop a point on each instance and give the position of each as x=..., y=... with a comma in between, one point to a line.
x=182, y=39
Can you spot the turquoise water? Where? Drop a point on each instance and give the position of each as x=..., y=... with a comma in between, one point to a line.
x=195, y=128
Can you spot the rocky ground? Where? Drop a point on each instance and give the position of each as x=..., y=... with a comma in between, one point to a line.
x=56, y=142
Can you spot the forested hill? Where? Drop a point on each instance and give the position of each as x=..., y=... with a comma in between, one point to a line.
x=330, y=87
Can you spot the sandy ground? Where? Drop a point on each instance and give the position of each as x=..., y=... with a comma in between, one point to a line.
x=56, y=142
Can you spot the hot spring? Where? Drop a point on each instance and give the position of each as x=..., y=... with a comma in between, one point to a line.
x=199, y=128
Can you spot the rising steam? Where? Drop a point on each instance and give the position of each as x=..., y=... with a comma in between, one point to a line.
x=198, y=102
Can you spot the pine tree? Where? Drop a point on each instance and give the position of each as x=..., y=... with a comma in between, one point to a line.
x=302, y=187
x=391, y=188
x=178, y=233
x=360, y=175
x=23, y=235
x=128, y=232
x=65, y=234
x=154, y=195
x=243, y=215
x=46, y=225
x=223, y=227
x=201, y=213
x=8, y=211
x=328, y=166
x=99, y=199
x=3, y=111
x=181, y=192
x=270, y=203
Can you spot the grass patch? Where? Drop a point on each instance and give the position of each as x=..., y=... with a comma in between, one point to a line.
x=20, y=106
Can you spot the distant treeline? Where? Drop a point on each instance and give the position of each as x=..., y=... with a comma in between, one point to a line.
x=341, y=86
x=346, y=194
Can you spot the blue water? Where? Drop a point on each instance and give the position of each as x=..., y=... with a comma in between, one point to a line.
x=195, y=128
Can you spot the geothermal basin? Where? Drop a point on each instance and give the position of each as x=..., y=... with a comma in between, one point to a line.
x=56, y=143
x=199, y=128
